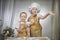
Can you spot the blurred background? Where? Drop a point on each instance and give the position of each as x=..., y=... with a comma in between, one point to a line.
x=10, y=11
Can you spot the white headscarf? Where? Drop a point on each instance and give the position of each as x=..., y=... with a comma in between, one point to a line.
x=36, y=5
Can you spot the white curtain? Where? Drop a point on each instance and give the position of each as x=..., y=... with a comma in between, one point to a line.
x=8, y=6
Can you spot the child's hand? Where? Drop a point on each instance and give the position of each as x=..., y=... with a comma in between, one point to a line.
x=22, y=22
x=31, y=21
x=52, y=13
x=18, y=30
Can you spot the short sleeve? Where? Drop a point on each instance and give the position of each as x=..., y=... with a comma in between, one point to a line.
x=17, y=25
x=38, y=16
x=28, y=19
x=28, y=24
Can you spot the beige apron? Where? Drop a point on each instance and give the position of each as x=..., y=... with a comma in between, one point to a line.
x=23, y=32
x=35, y=29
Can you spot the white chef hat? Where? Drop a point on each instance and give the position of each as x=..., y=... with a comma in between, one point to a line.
x=36, y=5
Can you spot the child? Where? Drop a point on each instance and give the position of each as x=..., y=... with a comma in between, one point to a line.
x=36, y=28
x=22, y=30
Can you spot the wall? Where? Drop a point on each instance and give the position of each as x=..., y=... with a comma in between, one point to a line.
x=56, y=20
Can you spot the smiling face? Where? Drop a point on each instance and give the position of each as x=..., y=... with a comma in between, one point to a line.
x=23, y=16
x=34, y=11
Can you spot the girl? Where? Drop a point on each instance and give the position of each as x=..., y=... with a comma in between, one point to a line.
x=36, y=28
x=22, y=30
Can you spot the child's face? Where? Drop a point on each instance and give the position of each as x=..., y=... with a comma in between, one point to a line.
x=23, y=16
x=34, y=11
